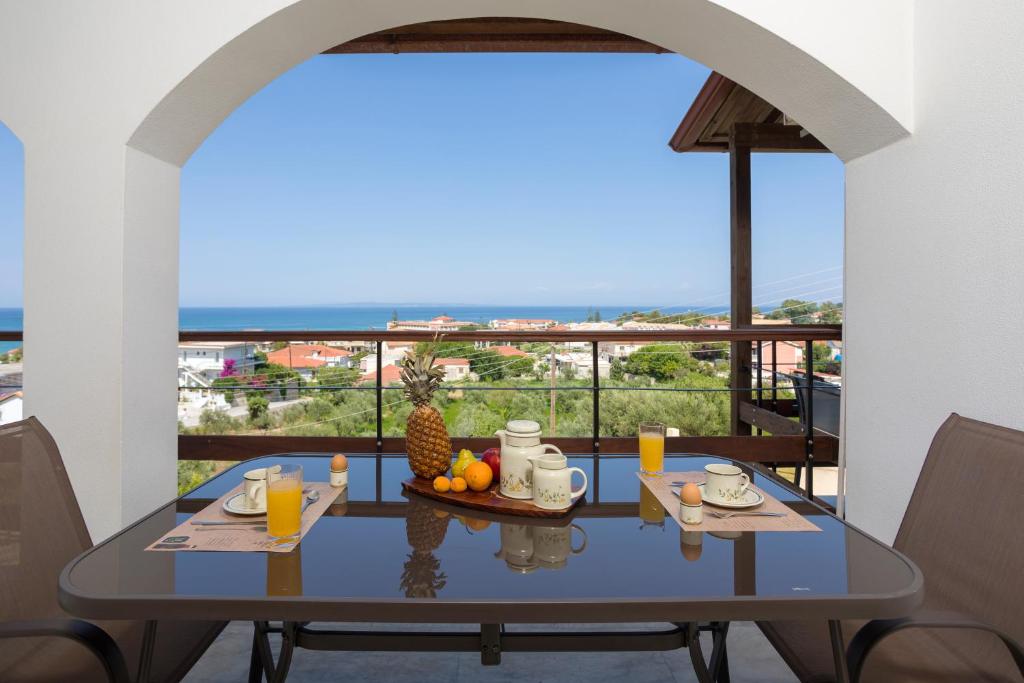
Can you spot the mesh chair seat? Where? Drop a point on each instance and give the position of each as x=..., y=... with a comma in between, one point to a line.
x=972, y=558
x=41, y=530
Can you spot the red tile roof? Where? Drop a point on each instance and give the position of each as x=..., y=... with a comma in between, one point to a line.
x=301, y=355
x=390, y=374
x=505, y=350
x=451, y=361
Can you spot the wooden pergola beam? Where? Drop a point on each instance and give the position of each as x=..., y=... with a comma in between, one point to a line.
x=494, y=34
x=740, y=281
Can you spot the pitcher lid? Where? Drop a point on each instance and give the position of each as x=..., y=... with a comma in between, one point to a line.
x=523, y=428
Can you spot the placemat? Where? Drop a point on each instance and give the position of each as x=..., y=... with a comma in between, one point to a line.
x=187, y=536
x=793, y=521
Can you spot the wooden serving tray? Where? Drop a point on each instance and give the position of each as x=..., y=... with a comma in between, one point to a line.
x=486, y=501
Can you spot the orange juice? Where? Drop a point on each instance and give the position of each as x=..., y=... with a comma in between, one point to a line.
x=652, y=453
x=284, y=507
x=651, y=510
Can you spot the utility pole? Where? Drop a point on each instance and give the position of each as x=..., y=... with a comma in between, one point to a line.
x=551, y=418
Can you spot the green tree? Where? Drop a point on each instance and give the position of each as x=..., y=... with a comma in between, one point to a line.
x=831, y=313
x=337, y=377
x=258, y=405
x=798, y=311
x=618, y=370
x=660, y=361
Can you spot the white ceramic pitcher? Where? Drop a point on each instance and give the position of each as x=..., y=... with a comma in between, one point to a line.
x=552, y=482
x=520, y=440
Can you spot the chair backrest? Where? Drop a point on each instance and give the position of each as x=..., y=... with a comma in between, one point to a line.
x=964, y=526
x=826, y=397
x=41, y=525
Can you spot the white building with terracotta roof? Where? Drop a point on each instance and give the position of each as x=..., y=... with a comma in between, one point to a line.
x=521, y=324
x=306, y=359
x=11, y=407
x=441, y=323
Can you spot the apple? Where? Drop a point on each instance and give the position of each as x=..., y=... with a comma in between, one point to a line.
x=492, y=456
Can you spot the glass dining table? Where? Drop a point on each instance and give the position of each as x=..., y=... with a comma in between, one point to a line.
x=380, y=555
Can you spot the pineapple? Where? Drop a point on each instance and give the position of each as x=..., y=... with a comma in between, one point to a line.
x=425, y=531
x=426, y=438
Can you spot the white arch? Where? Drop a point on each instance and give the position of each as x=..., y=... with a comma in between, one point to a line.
x=102, y=219
x=844, y=117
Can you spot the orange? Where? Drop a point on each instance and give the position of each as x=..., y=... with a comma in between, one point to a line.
x=441, y=484
x=477, y=524
x=458, y=485
x=478, y=476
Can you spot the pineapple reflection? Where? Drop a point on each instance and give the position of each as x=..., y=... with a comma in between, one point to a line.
x=425, y=529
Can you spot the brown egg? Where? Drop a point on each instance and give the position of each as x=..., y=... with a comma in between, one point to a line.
x=690, y=494
x=339, y=463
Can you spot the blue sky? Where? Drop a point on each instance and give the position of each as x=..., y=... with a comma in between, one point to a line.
x=496, y=179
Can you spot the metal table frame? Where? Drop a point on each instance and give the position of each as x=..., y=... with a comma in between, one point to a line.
x=295, y=614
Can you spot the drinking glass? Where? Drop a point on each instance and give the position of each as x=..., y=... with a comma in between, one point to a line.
x=284, y=503
x=652, y=448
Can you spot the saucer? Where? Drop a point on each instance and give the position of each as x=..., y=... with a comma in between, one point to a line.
x=236, y=506
x=749, y=499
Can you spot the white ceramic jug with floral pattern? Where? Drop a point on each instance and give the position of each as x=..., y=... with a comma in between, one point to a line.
x=520, y=440
x=552, y=482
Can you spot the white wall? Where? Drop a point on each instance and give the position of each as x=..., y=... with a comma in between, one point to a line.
x=935, y=257
x=136, y=85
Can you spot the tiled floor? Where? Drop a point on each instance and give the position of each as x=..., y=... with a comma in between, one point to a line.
x=751, y=658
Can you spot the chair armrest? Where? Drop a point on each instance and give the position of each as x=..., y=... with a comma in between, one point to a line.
x=90, y=636
x=874, y=632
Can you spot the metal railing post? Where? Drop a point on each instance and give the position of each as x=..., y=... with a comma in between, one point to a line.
x=775, y=379
x=760, y=381
x=597, y=398
x=809, y=463
x=380, y=398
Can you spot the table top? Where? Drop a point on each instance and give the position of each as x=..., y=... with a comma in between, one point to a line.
x=377, y=555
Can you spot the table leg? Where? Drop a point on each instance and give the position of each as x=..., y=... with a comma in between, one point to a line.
x=276, y=673
x=146, y=654
x=700, y=667
x=835, y=634
x=255, y=661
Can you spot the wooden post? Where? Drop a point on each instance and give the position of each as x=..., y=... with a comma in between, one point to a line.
x=741, y=290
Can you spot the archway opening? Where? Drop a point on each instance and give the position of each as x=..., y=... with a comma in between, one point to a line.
x=399, y=174
x=12, y=212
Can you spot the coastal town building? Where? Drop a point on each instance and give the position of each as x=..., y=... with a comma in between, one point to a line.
x=306, y=359
x=389, y=375
x=455, y=369
x=11, y=406
x=441, y=323
x=521, y=324
x=581, y=365
x=508, y=351
x=199, y=363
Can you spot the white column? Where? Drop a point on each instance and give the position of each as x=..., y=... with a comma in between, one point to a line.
x=101, y=289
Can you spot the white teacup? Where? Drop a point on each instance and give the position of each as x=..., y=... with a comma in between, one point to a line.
x=255, y=486
x=726, y=483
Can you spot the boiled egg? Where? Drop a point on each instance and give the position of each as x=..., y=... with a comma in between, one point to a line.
x=690, y=495
x=339, y=463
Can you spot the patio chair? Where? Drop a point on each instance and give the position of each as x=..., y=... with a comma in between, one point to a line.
x=41, y=530
x=963, y=529
x=826, y=398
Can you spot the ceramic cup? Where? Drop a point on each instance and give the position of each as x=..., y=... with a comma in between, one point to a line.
x=726, y=483
x=553, y=545
x=255, y=486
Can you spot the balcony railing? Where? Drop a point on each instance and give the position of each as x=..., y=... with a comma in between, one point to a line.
x=761, y=394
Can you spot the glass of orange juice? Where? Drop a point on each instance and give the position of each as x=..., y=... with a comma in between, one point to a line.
x=652, y=448
x=284, y=503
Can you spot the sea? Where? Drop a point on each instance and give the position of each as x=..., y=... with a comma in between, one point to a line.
x=364, y=316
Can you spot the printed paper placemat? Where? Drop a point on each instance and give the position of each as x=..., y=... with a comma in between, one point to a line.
x=792, y=521
x=243, y=538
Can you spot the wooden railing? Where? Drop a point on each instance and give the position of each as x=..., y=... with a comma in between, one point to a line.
x=790, y=443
